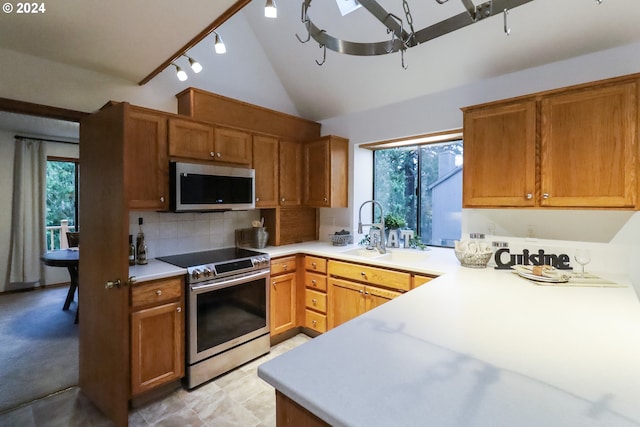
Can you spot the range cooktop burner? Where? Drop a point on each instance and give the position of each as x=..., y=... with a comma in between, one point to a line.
x=218, y=263
x=215, y=256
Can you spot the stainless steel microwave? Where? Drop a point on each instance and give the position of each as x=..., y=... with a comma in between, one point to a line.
x=200, y=187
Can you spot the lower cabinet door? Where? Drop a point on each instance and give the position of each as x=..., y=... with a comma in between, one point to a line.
x=346, y=301
x=282, y=303
x=157, y=346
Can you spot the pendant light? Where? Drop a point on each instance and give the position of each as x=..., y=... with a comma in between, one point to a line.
x=219, y=44
x=270, y=9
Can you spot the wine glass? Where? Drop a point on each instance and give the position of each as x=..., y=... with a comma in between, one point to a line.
x=582, y=257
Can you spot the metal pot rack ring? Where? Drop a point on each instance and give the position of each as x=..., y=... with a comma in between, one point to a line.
x=401, y=39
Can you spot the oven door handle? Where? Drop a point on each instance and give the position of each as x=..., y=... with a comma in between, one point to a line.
x=223, y=283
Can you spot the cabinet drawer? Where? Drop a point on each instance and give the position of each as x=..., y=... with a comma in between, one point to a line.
x=155, y=292
x=316, y=300
x=315, y=321
x=316, y=264
x=283, y=265
x=371, y=275
x=315, y=281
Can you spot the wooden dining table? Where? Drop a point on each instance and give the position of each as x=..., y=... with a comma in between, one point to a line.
x=69, y=258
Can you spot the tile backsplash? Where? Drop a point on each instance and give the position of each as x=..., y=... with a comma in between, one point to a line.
x=173, y=233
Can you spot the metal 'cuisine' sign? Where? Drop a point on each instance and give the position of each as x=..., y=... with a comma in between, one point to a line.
x=505, y=260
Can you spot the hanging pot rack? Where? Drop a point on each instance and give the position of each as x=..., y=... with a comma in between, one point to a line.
x=401, y=32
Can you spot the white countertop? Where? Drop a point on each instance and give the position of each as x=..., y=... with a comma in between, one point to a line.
x=473, y=348
x=155, y=269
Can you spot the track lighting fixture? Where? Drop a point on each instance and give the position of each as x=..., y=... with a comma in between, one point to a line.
x=219, y=44
x=182, y=75
x=195, y=65
x=270, y=9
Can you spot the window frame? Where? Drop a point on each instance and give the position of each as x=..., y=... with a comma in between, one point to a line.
x=415, y=141
x=76, y=188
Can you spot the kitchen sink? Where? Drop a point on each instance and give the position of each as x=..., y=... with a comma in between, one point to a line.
x=395, y=255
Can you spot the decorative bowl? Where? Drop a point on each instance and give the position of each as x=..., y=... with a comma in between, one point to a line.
x=341, y=239
x=473, y=259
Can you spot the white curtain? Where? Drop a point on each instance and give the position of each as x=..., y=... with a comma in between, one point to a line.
x=28, y=240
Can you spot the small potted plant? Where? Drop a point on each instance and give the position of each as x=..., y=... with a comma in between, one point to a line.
x=394, y=221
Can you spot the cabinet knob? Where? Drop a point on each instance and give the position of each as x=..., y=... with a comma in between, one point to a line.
x=218, y=155
x=162, y=199
x=284, y=266
x=529, y=196
x=158, y=292
x=314, y=265
x=212, y=154
x=325, y=199
x=361, y=291
x=274, y=283
x=313, y=322
x=257, y=199
x=179, y=309
x=282, y=200
x=363, y=274
x=314, y=301
x=545, y=196
x=313, y=282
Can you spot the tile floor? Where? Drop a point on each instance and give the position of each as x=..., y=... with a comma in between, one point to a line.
x=236, y=399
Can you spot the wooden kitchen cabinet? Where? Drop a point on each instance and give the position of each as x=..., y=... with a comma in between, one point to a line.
x=190, y=140
x=290, y=179
x=418, y=280
x=326, y=168
x=265, y=163
x=571, y=147
x=348, y=300
x=354, y=289
x=588, y=147
x=200, y=141
x=232, y=145
x=500, y=155
x=315, y=282
x=157, y=334
x=282, y=298
x=146, y=170
x=367, y=274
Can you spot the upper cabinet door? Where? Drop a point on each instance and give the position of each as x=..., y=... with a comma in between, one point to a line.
x=326, y=168
x=499, y=155
x=290, y=161
x=588, y=142
x=190, y=140
x=265, y=162
x=232, y=146
x=147, y=167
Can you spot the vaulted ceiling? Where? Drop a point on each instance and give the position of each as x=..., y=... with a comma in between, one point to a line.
x=129, y=39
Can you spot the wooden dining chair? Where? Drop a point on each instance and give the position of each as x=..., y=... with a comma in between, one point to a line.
x=73, y=238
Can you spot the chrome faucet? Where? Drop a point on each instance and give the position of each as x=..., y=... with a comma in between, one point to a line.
x=379, y=243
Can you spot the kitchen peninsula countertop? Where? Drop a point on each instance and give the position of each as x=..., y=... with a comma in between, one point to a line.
x=473, y=348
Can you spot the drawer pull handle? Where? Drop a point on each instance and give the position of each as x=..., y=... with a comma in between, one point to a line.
x=158, y=292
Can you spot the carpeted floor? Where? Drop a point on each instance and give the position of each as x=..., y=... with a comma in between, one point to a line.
x=38, y=346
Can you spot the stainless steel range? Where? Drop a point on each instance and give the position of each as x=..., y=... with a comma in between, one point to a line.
x=227, y=310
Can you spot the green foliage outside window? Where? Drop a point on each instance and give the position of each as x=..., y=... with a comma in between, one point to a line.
x=404, y=178
x=61, y=194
